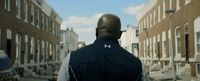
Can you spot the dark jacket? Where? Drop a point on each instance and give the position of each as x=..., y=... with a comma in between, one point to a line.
x=104, y=60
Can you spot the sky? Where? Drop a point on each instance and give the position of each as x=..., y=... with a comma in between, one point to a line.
x=82, y=15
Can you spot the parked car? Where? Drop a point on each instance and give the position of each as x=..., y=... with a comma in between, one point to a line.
x=7, y=72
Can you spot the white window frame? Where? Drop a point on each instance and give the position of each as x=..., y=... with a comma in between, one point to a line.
x=47, y=24
x=164, y=44
x=197, y=42
x=154, y=47
x=43, y=51
x=18, y=8
x=151, y=50
x=18, y=42
x=26, y=11
x=43, y=22
x=32, y=14
x=32, y=49
x=187, y=2
x=170, y=4
x=198, y=74
x=147, y=21
x=37, y=18
x=150, y=20
x=53, y=23
x=144, y=47
x=186, y=25
x=154, y=17
x=176, y=41
x=7, y=5
x=159, y=13
x=0, y=37
x=196, y=30
x=164, y=8
x=26, y=49
x=177, y=5
x=47, y=52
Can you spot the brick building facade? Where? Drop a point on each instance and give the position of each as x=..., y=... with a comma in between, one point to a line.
x=29, y=33
x=155, y=35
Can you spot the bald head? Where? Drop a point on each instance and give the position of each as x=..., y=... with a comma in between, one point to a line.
x=109, y=25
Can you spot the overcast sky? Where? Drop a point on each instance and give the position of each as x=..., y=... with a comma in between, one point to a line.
x=82, y=15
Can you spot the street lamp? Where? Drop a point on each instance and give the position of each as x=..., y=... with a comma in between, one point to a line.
x=171, y=12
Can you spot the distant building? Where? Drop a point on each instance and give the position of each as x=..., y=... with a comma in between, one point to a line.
x=69, y=41
x=29, y=33
x=129, y=40
x=155, y=35
x=81, y=45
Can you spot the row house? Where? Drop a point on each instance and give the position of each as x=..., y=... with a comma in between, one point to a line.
x=30, y=34
x=69, y=42
x=130, y=39
x=155, y=35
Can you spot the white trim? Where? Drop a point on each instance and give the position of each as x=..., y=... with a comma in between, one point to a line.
x=7, y=5
x=37, y=18
x=187, y=2
x=33, y=14
x=18, y=5
x=159, y=17
x=198, y=75
x=9, y=34
x=186, y=25
x=26, y=11
x=164, y=8
x=154, y=17
x=0, y=37
x=150, y=20
x=178, y=5
x=178, y=55
x=196, y=29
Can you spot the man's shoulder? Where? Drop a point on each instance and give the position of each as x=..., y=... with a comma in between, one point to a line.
x=83, y=50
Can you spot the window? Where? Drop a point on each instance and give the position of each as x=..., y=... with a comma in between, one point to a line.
x=47, y=24
x=177, y=39
x=186, y=26
x=0, y=37
x=145, y=24
x=154, y=16
x=137, y=33
x=187, y=2
x=32, y=14
x=18, y=8
x=47, y=51
x=177, y=4
x=37, y=18
x=25, y=10
x=163, y=44
x=43, y=21
x=42, y=51
x=198, y=68
x=147, y=21
x=198, y=42
x=159, y=13
x=53, y=27
x=7, y=5
x=32, y=48
x=18, y=49
x=170, y=4
x=164, y=8
x=150, y=20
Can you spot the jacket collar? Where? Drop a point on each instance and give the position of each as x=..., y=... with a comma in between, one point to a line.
x=106, y=40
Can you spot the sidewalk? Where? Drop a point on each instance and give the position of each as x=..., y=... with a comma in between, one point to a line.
x=40, y=78
x=158, y=76
x=32, y=79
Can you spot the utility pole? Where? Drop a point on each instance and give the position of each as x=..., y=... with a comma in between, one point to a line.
x=171, y=12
